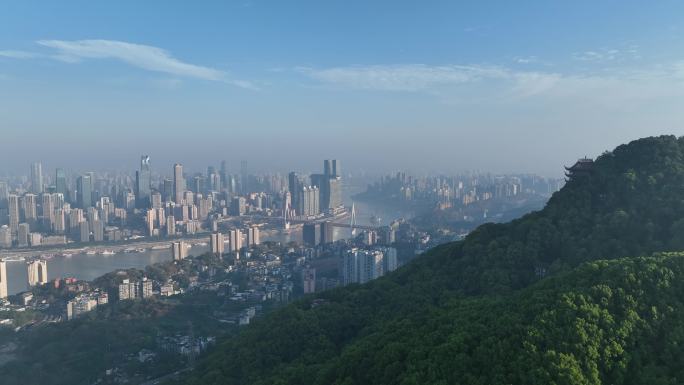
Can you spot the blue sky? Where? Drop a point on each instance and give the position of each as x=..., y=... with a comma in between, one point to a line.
x=424, y=85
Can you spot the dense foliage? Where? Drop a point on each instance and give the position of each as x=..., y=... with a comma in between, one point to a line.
x=470, y=312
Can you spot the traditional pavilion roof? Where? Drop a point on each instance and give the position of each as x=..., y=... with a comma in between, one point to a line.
x=583, y=166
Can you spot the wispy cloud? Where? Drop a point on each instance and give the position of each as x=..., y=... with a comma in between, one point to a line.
x=138, y=55
x=407, y=77
x=608, y=54
x=526, y=60
x=498, y=83
x=420, y=77
x=18, y=54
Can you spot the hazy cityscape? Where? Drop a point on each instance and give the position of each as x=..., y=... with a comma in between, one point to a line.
x=341, y=192
x=76, y=242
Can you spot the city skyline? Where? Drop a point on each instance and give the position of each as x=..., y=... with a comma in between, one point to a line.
x=417, y=92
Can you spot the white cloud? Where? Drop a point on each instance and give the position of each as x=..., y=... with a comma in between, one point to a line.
x=142, y=56
x=18, y=54
x=617, y=86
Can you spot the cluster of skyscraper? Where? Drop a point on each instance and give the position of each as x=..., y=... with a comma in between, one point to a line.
x=322, y=195
x=89, y=208
x=45, y=215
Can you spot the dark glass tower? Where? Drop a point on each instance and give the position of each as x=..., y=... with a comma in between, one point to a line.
x=143, y=183
x=84, y=191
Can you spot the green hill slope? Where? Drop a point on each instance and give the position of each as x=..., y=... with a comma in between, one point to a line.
x=467, y=313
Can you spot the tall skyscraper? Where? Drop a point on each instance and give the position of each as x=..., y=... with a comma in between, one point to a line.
x=61, y=183
x=37, y=178
x=336, y=168
x=4, y=193
x=327, y=167
x=3, y=279
x=223, y=173
x=178, y=183
x=296, y=186
x=143, y=183
x=37, y=272
x=13, y=203
x=84, y=191
x=244, y=178
x=330, y=185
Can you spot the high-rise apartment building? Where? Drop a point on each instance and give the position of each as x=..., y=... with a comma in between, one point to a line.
x=179, y=250
x=308, y=201
x=98, y=230
x=47, y=206
x=29, y=206
x=145, y=288
x=361, y=266
x=84, y=231
x=216, y=241
x=170, y=226
x=128, y=290
x=59, y=222
x=253, y=236
x=235, y=240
